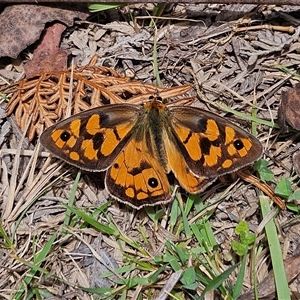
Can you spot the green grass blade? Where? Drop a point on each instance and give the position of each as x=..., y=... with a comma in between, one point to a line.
x=67, y=219
x=218, y=280
x=240, y=278
x=37, y=260
x=281, y=282
x=96, y=7
x=90, y=220
x=248, y=117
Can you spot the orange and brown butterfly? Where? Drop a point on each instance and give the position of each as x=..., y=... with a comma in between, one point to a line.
x=138, y=145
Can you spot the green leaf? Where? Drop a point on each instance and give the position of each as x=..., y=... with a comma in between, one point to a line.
x=8, y=242
x=295, y=195
x=246, y=239
x=173, y=263
x=175, y=212
x=284, y=188
x=3, y=96
x=241, y=228
x=189, y=279
x=183, y=254
x=239, y=248
x=292, y=207
x=188, y=276
x=35, y=266
x=261, y=166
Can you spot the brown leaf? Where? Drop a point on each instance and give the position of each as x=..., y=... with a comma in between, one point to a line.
x=45, y=96
x=47, y=56
x=21, y=25
x=289, y=112
x=296, y=162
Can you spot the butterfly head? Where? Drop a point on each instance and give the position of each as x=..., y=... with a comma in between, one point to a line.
x=155, y=103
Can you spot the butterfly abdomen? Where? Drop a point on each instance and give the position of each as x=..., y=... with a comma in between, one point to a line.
x=154, y=123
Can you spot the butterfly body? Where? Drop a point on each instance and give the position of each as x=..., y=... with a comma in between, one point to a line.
x=138, y=145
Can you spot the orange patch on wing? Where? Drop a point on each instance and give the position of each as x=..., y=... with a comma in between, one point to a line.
x=157, y=193
x=118, y=170
x=56, y=138
x=150, y=173
x=229, y=135
x=190, y=141
x=129, y=173
x=71, y=142
x=130, y=192
x=88, y=149
x=182, y=132
x=141, y=196
x=227, y=164
x=113, y=172
x=212, y=130
x=191, y=182
x=247, y=143
x=123, y=129
x=231, y=150
x=212, y=158
x=178, y=166
x=75, y=127
x=129, y=178
x=140, y=182
x=193, y=147
x=113, y=136
x=74, y=156
x=243, y=152
x=109, y=143
x=93, y=124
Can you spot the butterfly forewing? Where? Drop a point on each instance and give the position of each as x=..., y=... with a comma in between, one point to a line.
x=211, y=145
x=92, y=139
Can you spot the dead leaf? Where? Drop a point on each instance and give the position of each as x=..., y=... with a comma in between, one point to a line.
x=47, y=56
x=45, y=96
x=296, y=162
x=288, y=112
x=21, y=25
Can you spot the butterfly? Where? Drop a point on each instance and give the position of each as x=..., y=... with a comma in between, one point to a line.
x=138, y=145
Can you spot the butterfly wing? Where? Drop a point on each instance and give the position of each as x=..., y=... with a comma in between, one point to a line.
x=92, y=139
x=137, y=178
x=210, y=145
x=178, y=165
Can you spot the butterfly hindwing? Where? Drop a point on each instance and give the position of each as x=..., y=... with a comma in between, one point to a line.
x=136, y=177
